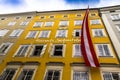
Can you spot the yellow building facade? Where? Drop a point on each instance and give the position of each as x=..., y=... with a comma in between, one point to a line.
x=49, y=49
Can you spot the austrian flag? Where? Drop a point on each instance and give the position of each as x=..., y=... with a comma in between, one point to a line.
x=87, y=48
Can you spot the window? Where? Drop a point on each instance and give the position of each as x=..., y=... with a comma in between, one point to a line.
x=78, y=22
x=48, y=24
x=63, y=23
x=39, y=50
x=11, y=23
x=42, y=17
x=37, y=24
x=111, y=75
x=24, y=23
x=26, y=74
x=77, y=50
x=77, y=33
x=22, y=50
x=93, y=14
x=118, y=27
x=29, y=17
x=53, y=75
x=58, y=50
x=95, y=22
x=115, y=17
x=2, y=18
x=3, y=32
x=44, y=34
x=78, y=15
x=103, y=49
x=17, y=17
x=8, y=74
x=16, y=33
x=4, y=48
x=98, y=32
x=65, y=16
x=32, y=34
x=80, y=75
x=51, y=16
x=61, y=33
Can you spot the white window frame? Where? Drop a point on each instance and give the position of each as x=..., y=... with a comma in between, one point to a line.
x=58, y=31
x=42, y=52
x=16, y=33
x=49, y=24
x=10, y=44
x=74, y=33
x=95, y=22
x=76, y=22
x=3, y=32
x=80, y=69
x=34, y=67
x=24, y=23
x=64, y=25
x=115, y=17
x=12, y=67
x=98, y=33
x=48, y=35
x=63, y=50
x=118, y=27
x=74, y=55
x=59, y=68
x=25, y=54
x=30, y=33
x=104, y=54
x=11, y=23
x=109, y=69
x=38, y=24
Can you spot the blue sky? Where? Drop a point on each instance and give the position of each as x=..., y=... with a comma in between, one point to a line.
x=15, y=6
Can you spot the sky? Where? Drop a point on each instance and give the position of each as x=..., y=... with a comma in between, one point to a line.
x=16, y=6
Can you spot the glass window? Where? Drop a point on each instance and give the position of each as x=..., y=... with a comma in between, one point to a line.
x=44, y=34
x=3, y=32
x=103, y=49
x=118, y=27
x=37, y=24
x=64, y=23
x=26, y=74
x=78, y=22
x=52, y=16
x=24, y=23
x=39, y=50
x=115, y=17
x=61, y=33
x=79, y=75
x=77, y=33
x=16, y=33
x=77, y=50
x=32, y=34
x=49, y=24
x=11, y=23
x=22, y=50
x=8, y=74
x=4, y=48
x=52, y=75
x=95, y=22
x=98, y=32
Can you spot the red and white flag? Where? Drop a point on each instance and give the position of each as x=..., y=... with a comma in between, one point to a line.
x=87, y=48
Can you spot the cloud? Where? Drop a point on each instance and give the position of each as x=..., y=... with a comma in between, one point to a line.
x=9, y=6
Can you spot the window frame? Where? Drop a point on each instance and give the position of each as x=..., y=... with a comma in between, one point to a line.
x=74, y=33
x=25, y=54
x=36, y=24
x=4, y=32
x=58, y=31
x=24, y=23
x=27, y=36
x=14, y=31
x=52, y=23
x=95, y=22
x=6, y=51
x=63, y=25
x=73, y=51
x=53, y=48
x=118, y=27
x=41, y=32
x=76, y=21
x=12, y=23
x=109, y=47
x=103, y=32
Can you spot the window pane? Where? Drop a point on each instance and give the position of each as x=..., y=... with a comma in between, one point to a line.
x=37, y=50
x=106, y=49
x=58, y=50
